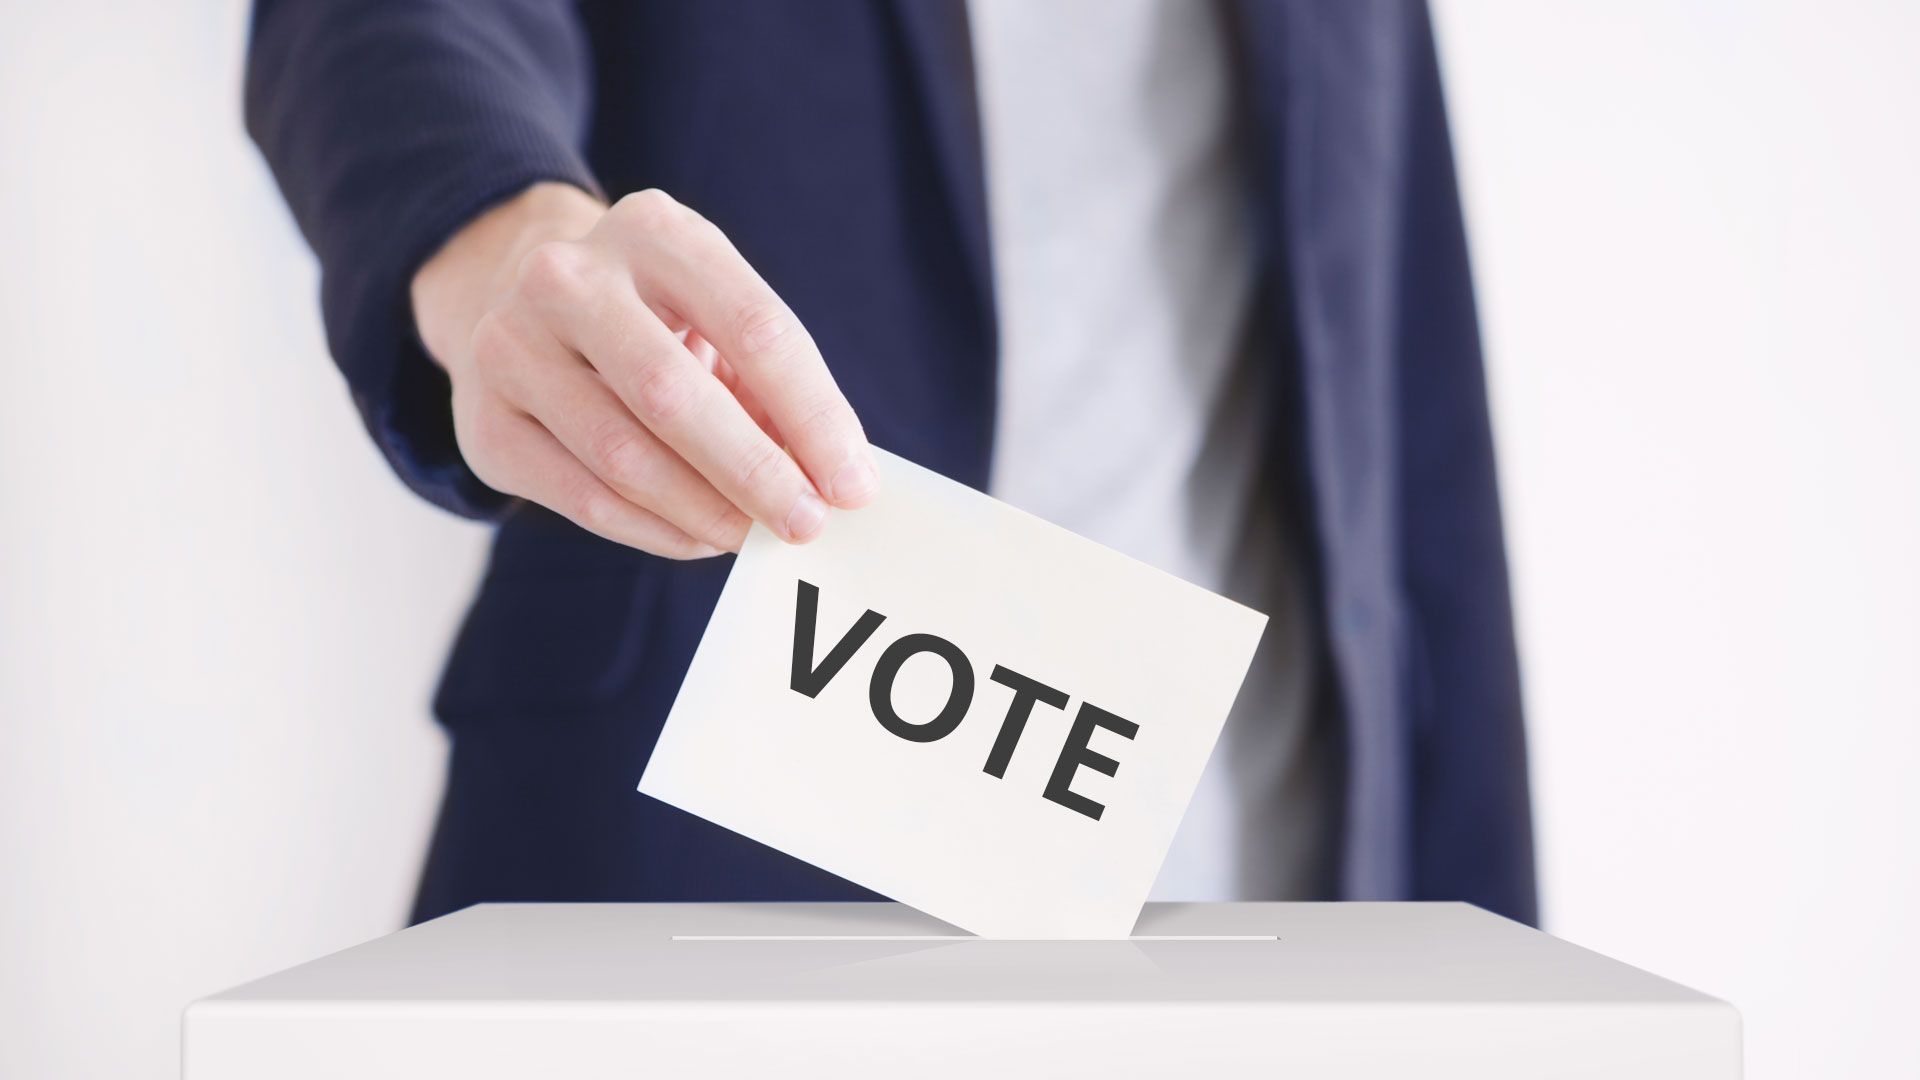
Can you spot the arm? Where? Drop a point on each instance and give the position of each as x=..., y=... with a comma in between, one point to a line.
x=429, y=151
x=388, y=125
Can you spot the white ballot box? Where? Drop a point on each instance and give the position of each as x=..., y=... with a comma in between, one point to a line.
x=590, y=991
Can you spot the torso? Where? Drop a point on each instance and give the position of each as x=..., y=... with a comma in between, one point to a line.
x=1128, y=400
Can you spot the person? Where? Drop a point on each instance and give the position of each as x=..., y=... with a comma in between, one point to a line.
x=1189, y=279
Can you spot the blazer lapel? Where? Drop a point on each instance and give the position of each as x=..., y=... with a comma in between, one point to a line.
x=940, y=51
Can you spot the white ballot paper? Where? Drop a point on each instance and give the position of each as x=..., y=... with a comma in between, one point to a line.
x=959, y=706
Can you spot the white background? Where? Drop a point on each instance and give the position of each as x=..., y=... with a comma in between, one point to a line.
x=1696, y=234
x=1697, y=228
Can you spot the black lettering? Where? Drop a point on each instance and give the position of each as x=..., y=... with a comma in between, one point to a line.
x=1025, y=692
x=1075, y=754
x=880, y=693
x=811, y=680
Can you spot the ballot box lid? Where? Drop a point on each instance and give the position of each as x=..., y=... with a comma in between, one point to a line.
x=879, y=952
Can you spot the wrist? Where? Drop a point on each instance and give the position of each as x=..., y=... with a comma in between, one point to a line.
x=456, y=286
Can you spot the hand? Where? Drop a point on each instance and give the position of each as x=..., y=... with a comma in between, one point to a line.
x=625, y=367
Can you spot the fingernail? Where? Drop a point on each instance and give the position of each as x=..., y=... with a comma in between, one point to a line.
x=806, y=517
x=855, y=481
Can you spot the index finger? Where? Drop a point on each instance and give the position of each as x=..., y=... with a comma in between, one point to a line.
x=695, y=270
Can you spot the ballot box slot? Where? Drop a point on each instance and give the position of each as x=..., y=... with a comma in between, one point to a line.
x=954, y=938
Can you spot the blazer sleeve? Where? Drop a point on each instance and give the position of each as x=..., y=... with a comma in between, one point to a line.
x=388, y=124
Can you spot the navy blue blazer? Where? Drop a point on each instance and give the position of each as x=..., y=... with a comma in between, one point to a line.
x=836, y=142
